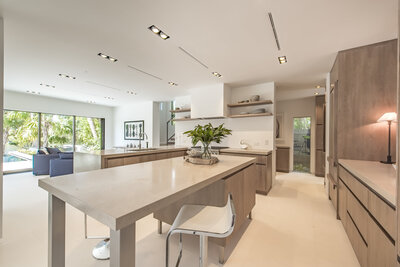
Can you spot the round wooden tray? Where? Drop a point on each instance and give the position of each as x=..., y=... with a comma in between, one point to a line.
x=201, y=161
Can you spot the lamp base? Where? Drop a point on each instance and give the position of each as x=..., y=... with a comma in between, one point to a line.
x=388, y=160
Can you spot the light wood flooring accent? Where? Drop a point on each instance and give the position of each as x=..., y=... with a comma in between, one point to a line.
x=295, y=225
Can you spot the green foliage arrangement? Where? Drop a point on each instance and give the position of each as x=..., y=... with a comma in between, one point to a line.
x=207, y=134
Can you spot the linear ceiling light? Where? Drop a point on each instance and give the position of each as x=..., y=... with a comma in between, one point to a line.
x=271, y=20
x=157, y=31
x=112, y=59
x=67, y=76
x=282, y=59
x=193, y=57
x=216, y=74
x=142, y=71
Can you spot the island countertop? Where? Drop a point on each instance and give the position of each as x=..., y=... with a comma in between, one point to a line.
x=380, y=178
x=132, y=151
x=118, y=196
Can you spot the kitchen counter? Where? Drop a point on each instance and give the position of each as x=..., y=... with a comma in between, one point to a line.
x=263, y=152
x=118, y=197
x=135, y=151
x=380, y=178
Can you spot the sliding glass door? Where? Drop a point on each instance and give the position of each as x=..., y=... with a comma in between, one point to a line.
x=88, y=134
x=57, y=131
x=20, y=139
x=25, y=132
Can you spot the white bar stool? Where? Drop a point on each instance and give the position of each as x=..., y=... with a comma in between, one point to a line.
x=204, y=221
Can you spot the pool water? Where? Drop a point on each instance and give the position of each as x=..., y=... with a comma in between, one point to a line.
x=9, y=158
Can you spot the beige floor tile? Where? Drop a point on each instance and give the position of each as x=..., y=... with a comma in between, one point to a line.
x=295, y=225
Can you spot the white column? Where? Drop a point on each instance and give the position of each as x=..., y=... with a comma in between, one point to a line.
x=1, y=120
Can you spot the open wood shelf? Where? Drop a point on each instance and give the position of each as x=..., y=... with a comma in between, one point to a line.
x=251, y=115
x=180, y=110
x=255, y=103
x=197, y=119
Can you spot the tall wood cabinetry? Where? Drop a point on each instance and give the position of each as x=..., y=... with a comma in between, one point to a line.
x=320, y=136
x=363, y=88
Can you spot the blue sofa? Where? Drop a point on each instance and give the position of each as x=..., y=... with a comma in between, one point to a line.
x=54, y=164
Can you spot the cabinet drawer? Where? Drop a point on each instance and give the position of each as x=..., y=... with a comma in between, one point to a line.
x=333, y=194
x=132, y=160
x=358, y=189
x=342, y=202
x=115, y=162
x=383, y=213
x=381, y=251
x=358, y=214
x=358, y=244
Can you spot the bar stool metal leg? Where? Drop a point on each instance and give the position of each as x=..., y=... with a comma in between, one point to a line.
x=203, y=250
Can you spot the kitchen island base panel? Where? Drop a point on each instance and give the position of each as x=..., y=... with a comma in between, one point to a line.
x=241, y=184
x=122, y=247
x=56, y=236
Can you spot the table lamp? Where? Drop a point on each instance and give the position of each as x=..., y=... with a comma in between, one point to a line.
x=389, y=118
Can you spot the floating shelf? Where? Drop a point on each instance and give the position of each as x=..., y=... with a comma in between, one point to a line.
x=255, y=103
x=180, y=110
x=197, y=119
x=251, y=115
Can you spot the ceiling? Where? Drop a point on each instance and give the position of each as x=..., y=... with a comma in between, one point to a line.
x=233, y=37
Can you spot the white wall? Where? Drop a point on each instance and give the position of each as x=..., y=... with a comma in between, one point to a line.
x=134, y=112
x=36, y=103
x=304, y=107
x=257, y=132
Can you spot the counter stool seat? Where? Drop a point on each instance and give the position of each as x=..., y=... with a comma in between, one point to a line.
x=204, y=221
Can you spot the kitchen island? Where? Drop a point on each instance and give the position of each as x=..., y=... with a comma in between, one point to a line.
x=102, y=159
x=129, y=193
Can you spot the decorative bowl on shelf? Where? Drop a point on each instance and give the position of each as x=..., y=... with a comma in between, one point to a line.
x=258, y=111
x=254, y=98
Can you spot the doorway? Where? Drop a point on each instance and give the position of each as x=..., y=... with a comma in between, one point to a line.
x=301, y=144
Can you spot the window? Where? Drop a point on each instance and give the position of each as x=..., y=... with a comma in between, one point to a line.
x=20, y=139
x=57, y=131
x=88, y=134
x=26, y=132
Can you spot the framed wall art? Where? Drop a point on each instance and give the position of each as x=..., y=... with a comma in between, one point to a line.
x=134, y=130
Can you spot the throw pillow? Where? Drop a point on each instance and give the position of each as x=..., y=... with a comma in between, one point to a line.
x=52, y=150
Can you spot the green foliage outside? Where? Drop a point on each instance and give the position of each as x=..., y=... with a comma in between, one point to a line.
x=20, y=132
x=302, y=123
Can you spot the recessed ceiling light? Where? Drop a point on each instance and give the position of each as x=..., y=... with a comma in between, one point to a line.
x=157, y=31
x=316, y=93
x=282, y=59
x=91, y=102
x=318, y=86
x=216, y=74
x=172, y=84
x=33, y=92
x=154, y=29
x=109, y=97
x=47, y=85
x=131, y=92
x=67, y=76
x=112, y=59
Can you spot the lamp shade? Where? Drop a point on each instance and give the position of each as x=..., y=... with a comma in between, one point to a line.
x=390, y=116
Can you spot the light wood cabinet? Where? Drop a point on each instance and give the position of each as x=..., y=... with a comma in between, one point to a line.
x=282, y=159
x=263, y=171
x=369, y=221
x=121, y=160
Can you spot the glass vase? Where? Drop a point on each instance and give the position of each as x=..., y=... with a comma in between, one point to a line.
x=206, y=151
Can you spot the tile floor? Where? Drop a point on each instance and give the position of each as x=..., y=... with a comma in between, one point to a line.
x=295, y=225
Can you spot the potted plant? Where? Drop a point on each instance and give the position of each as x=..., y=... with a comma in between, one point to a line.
x=207, y=134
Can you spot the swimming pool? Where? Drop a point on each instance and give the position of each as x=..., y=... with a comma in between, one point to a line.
x=10, y=158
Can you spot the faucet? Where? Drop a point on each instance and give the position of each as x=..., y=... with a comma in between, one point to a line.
x=140, y=140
